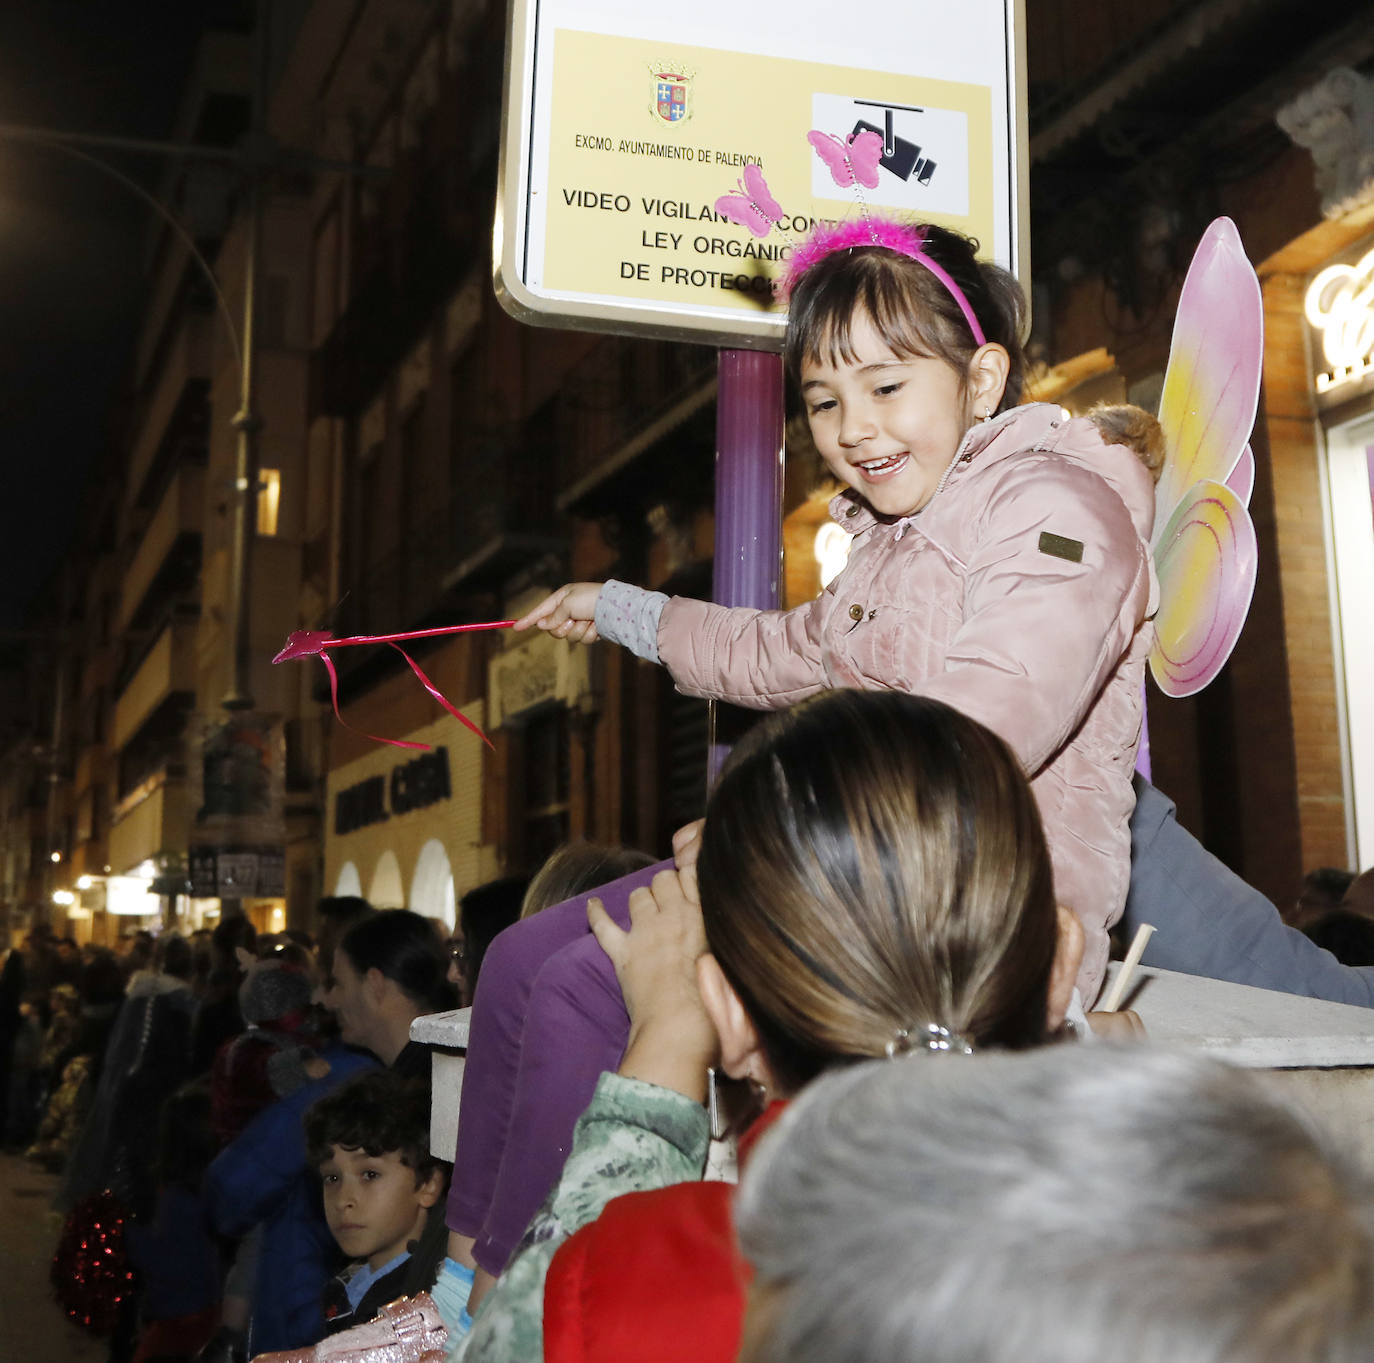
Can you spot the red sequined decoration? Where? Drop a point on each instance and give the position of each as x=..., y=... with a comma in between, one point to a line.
x=90, y=1274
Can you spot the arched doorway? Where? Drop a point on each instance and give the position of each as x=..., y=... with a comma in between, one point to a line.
x=387, y=890
x=431, y=889
x=349, y=881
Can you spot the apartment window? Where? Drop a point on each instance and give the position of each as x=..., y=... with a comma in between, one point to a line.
x=269, y=500
x=547, y=784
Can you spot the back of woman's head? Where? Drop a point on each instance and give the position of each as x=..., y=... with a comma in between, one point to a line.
x=577, y=867
x=102, y=981
x=1068, y=1206
x=485, y=912
x=231, y=935
x=911, y=308
x=873, y=863
x=404, y=947
x=173, y=956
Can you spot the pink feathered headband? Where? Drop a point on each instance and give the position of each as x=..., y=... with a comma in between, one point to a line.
x=853, y=163
x=825, y=239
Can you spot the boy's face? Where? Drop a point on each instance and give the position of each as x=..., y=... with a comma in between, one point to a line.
x=372, y=1203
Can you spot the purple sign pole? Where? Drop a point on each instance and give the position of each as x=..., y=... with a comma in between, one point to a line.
x=749, y=439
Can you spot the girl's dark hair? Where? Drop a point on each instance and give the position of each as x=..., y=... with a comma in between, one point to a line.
x=406, y=949
x=873, y=862
x=378, y=1112
x=914, y=312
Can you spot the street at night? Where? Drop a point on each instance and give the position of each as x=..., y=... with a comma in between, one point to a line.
x=601, y=602
x=32, y=1325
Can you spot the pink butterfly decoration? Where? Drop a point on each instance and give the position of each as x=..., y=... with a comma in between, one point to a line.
x=754, y=206
x=316, y=643
x=850, y=160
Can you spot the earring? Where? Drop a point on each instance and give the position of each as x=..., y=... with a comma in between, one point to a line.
x=986, y=417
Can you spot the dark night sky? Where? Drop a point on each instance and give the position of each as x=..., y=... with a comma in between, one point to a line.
x=70, y=251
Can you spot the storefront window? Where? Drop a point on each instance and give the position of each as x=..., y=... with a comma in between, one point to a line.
x=1350, y=513
x=547, y=785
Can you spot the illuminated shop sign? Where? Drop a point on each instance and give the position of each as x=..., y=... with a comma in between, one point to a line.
x=1340, y=305
x=416, y=784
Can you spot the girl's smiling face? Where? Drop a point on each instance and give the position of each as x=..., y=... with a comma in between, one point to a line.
x=887, y=425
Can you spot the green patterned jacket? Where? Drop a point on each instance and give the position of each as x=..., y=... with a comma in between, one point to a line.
x=633, y=1136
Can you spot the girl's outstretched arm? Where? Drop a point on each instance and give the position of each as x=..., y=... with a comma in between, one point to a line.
x=761, y=659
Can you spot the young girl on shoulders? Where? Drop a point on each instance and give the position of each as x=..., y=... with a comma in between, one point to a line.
x=999, y=563
x=1000, y=559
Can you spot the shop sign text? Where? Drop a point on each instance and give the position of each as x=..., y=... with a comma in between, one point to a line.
x=416, y=784
x=1340, y=305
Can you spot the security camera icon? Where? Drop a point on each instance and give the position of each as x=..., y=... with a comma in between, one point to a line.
x=900, y=157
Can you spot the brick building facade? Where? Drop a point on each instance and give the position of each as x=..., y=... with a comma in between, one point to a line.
x=438, y=462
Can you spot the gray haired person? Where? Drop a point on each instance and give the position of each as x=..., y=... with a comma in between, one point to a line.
x=1073, y=1205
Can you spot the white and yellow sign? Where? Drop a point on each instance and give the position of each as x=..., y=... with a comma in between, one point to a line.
x=625, y=123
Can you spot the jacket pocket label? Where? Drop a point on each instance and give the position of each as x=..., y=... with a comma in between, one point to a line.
x=1060, y=546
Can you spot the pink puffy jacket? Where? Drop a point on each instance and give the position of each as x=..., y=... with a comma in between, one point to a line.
x=1020, y=595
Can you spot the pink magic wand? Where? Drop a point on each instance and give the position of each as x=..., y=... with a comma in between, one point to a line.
x=309, y=643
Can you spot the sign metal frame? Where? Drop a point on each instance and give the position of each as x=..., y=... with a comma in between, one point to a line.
x=523, y=114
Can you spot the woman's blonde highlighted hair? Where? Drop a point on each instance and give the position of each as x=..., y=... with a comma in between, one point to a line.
x=873, y=862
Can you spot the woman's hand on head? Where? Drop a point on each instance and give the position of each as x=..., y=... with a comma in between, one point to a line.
x=687, y=844
x=569, y=613
x=672, y=1040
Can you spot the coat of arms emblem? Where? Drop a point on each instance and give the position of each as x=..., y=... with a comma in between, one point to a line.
x=671, y=95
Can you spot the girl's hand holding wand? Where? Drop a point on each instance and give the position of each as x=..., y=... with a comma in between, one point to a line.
x=567, y=614
x=672, y=1041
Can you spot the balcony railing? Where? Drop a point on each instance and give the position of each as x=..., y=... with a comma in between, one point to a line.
x=176, y=405
x=91, y=768
x=153, y=817
x=175, y=528
x=167, y=668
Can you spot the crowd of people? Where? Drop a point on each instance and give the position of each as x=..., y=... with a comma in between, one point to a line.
x=869, y=973
x=856, y=971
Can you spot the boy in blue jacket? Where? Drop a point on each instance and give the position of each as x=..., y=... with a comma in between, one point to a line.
x=369, y=1140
